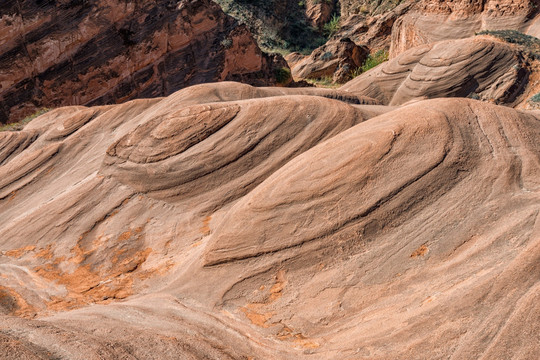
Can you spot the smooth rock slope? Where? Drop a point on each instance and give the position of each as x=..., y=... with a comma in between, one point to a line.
x=233, y=222
x=481, y=67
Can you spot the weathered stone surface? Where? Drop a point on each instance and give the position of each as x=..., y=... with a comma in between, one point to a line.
x=372, y=29
x=431, y=21
x=109, y=51
x=337, y=58
x=228, y=222
x=319, y=12
x=480, y=67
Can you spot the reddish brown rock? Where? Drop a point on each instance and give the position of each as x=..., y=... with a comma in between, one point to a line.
x=109, y=51
x=372, y=29
x=337, y=59
x=294, y=58
x=367, y=7
x=534, y=27
x=319, y=12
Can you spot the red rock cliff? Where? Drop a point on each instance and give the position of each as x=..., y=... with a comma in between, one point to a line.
x=89, y=52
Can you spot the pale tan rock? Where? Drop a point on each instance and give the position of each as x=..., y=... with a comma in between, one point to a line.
x=229, y=222
x=431, y=21
x=480, y=67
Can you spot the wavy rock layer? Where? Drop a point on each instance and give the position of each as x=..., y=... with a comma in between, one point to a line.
x=480, y=67
x=231, y=222
x=431, y=21
x=109, y=51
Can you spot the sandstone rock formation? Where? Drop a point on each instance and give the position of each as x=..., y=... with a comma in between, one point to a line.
x=431, y=21
x=319, y=12
x=230, y=222
x=109, y=51
x=367, y=31
x=534, y=27
x=371, y=27
x=336, y=59
x=367, y=7
x=480, y=67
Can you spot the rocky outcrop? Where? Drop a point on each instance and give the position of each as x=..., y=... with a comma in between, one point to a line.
x=319, y=12
x=229, y=222
x=534, y=27
x=282, y=24
x=338, y=58
x=55, y=53
x=431, y=21
x=367, y=7
x=370, y=22
x=373, y=30
x=481, y=67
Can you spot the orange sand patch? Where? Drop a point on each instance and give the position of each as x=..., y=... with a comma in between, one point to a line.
x=12, y=195
x=160, y=270
x=298, y=338
x=421, y=251
x=255, y=314
x=17, y=253
x=14, y=304
x=45, y=253
x=260, y=316
x=124, y=236
x=205, y=228
x=86, y=285
x=276, y=291
x=195, y=244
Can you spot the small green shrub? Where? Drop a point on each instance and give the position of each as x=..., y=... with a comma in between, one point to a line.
x=331, y=27
x=356, y=72
x=474, y=96
x=226, y=43
x=20, y=125
x=375, y=59
x=325, y=81
x=535, y=99
x=327, y=55
x=283, y=75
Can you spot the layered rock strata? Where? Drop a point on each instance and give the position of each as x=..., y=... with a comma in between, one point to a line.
x=55, y=53
x=230, y=222
x=431, y=21
x=481, y=67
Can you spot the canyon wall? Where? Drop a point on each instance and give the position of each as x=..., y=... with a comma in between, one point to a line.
x=55, y=53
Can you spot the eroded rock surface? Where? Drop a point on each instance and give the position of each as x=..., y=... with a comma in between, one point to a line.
x=336, y=59
x=431, y=21
x=372, y=26
x=228, y=222
x=319, y=12
x=109, y=51
x=480, y=67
